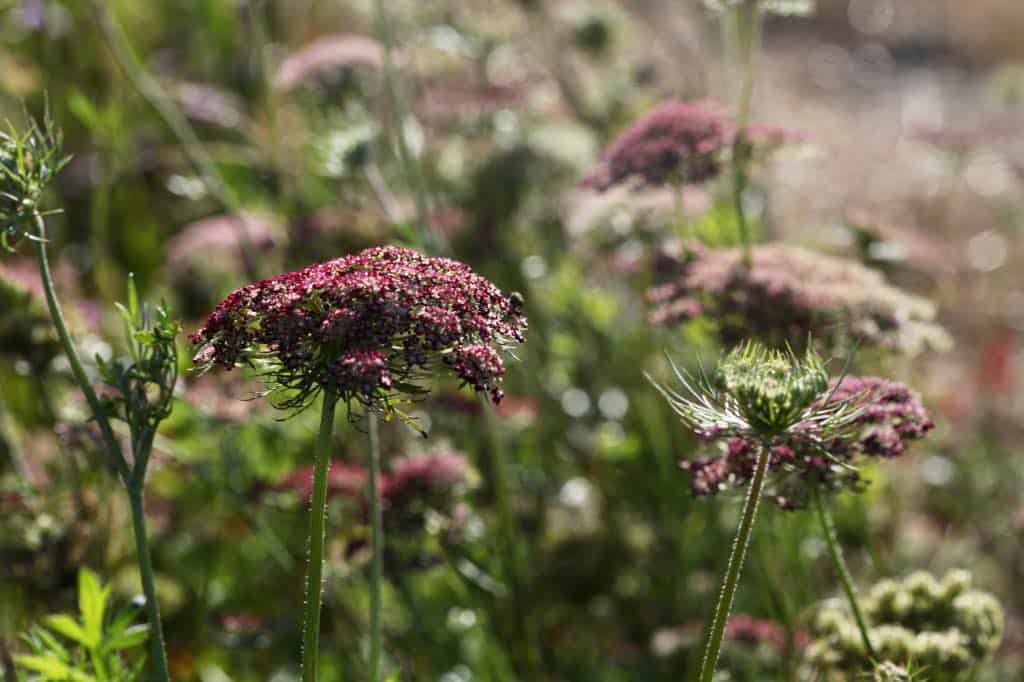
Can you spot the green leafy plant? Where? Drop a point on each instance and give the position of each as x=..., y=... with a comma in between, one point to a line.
x=92, y=647
x=142, y=385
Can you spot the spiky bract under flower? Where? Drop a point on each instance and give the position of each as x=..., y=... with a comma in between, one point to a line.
x=759, y=393
x=886, y=416
x=365, y=327
x=942, y=627
x=676, y=142
x=788, y=293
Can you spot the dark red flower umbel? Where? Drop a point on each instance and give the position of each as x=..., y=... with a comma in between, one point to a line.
x=890, y=416
x=676, y=142
x=365, y=327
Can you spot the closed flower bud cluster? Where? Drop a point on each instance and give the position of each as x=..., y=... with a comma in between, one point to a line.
x=365, y=327
x=770, y=387
x=943, y=626
x=28, y=164
x=790, y=293
x=888, y=416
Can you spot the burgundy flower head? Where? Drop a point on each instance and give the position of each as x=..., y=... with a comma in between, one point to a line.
x=890, y=416
x=413, y=477
x=366, y=327
x=790, y=293
x=676, y=142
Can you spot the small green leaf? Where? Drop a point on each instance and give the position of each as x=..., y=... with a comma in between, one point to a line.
x=83, y=109
x=133, y=297
x=52, y=669
x=64, y=624
x=131, y=637
x=92, y=602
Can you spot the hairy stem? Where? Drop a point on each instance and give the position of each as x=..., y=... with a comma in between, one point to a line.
x=317, y=539
x=157, y=650
x=377, y=544
x=835, y=551
x=732, y=573
x=57, y=314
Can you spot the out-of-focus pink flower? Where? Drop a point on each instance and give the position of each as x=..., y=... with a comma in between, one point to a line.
x=343, y=480
x=456, y=101
x=677, y=142
x=208, y=241
x=209, y=105
x=239, y=622
x=997, y=367
x=326, y=54
x=422, y=475
x=788, y=293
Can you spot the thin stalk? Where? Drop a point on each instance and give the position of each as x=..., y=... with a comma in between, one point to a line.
x=8, y=447
x=835, y=551
x=109, y=440
x=197, y=154
x=317, y=539
x=157, y=651
x=512, y=544
x=410, y=166
x=377, y=544
x=746, y=43
x=732, y=573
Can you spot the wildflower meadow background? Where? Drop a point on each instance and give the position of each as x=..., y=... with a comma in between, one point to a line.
x=511, y=340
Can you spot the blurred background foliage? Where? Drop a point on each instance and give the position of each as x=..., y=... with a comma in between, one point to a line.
x=218, y=141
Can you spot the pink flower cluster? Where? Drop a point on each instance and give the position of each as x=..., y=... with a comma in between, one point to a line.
x=427, y=478
x=788, y=293
x=676, y=142
x=365, y=326
x=890, y=416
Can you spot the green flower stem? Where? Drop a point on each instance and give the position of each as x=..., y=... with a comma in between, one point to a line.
x=113, y=447
x=732, y=574
x=157, y=650
x=317, y=539
x=747, y=42
x=835, y=551
x=377, y=544
x=133, y=477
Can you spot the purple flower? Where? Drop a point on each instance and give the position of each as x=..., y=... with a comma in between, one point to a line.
x=790, y=293
x=325, y=54
x=890, y=415
x=365, y=327
x=676, y=142
x=423, y=476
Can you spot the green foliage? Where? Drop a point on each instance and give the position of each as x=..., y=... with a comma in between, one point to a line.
x=29, y=161
x=145, y=380
x=91, y=647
